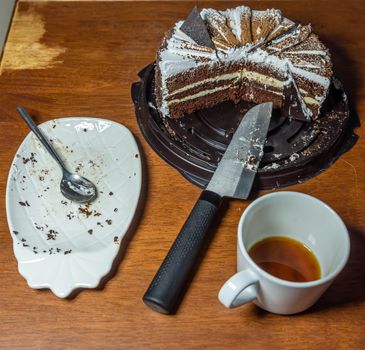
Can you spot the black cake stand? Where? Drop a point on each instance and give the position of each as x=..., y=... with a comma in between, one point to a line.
x=295, y=151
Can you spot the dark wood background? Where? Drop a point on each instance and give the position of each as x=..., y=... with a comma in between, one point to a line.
x=80, y=58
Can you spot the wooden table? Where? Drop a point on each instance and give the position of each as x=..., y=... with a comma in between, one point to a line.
x=68, y=59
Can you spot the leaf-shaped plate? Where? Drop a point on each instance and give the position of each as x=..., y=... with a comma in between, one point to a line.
x=60, y=244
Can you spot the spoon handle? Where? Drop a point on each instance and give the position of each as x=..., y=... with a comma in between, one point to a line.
x=28, y=119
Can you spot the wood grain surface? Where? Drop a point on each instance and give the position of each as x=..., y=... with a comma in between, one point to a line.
x=80, y=58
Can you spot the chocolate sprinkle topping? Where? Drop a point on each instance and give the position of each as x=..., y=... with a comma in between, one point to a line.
x=52, y=235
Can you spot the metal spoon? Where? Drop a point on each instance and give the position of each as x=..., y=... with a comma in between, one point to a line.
x=73, y=186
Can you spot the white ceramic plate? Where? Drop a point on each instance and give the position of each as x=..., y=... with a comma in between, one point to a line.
x=60, y=244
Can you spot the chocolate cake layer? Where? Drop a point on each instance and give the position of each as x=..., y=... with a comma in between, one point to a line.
x=211, y=98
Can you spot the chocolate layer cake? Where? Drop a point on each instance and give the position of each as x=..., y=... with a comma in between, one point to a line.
x=241, y=54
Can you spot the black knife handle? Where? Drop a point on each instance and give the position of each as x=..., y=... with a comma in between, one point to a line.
x=169, y=284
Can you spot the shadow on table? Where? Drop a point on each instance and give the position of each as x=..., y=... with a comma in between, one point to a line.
x=132, y=229
x=348, y=287
x=350, y=77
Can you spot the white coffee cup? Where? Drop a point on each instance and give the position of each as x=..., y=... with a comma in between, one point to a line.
x=298, y=216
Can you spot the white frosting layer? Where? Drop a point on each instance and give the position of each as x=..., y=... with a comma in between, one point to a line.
x=310, y=101
x=229, y=76
x=261, y=78
x=200, y=93
x=308, y=52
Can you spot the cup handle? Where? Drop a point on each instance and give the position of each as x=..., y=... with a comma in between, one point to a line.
x=236, y=291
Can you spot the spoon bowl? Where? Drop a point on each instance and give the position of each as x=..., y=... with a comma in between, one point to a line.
x=77, y=188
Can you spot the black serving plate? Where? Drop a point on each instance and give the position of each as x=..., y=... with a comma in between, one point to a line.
x=295, y=151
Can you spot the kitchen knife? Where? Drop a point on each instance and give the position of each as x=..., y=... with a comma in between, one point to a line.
x=233, y=178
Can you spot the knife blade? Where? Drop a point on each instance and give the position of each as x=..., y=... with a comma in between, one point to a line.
x=236, y=171
x=233, y=178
